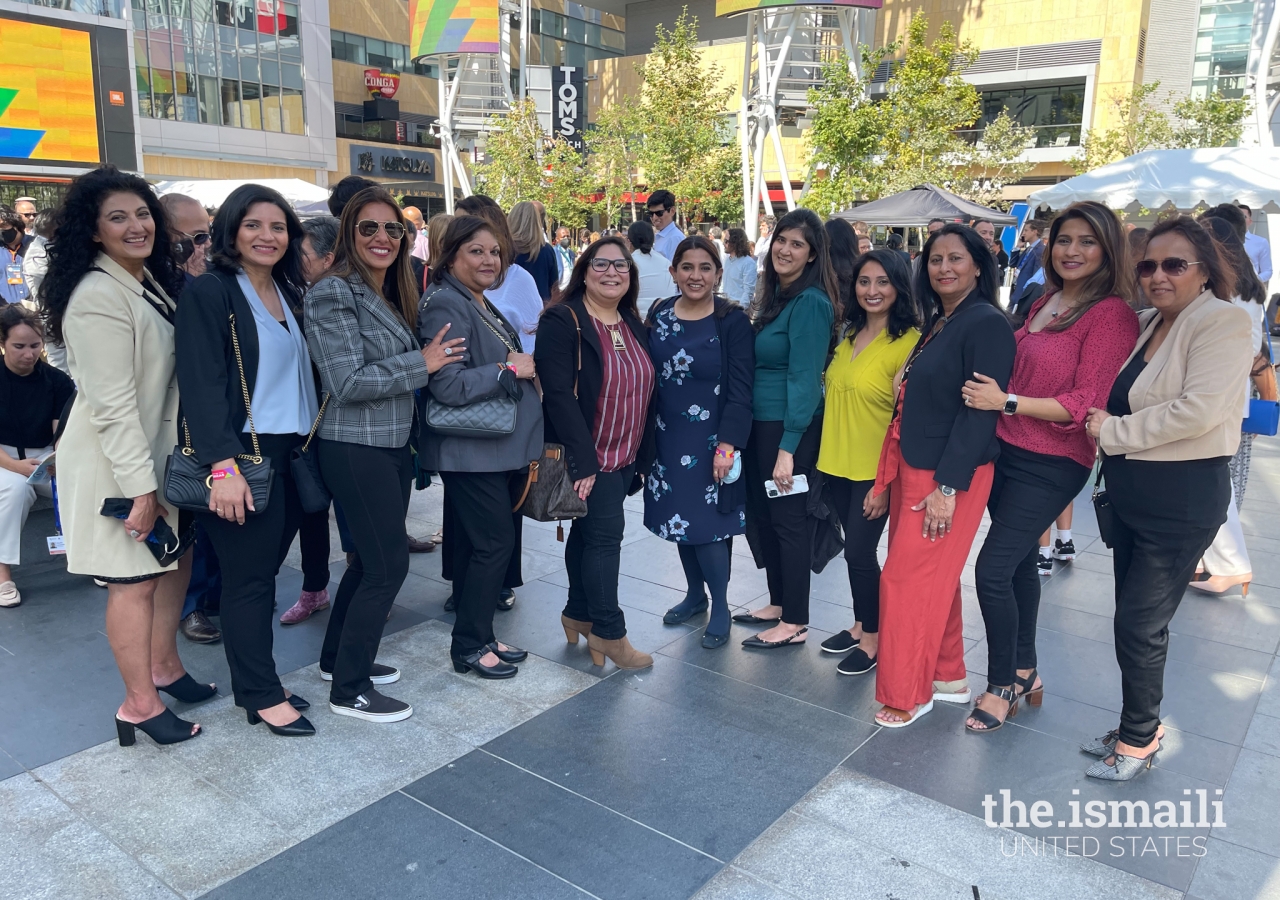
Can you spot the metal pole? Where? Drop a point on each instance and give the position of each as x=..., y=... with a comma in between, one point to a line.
x=750, y=203
x=525, y=14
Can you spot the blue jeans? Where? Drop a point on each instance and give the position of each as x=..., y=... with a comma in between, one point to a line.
x=205, y=591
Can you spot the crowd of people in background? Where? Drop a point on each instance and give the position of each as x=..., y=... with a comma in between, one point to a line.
x=213, y=385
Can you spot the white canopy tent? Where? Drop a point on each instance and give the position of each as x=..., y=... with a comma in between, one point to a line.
x=212, y=194
x=1183, y=179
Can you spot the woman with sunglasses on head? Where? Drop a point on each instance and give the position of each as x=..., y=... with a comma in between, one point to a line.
x=702, y=348
x=1070, y=348
x=1170, y=426
x=597, y=383
x=880, y=328
x=793, y=316
x=249, y=390
x=482, y=473
x=938, y=463
x=359, y=324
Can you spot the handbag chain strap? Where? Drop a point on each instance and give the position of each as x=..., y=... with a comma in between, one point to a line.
x=483, y=318
x=256, y=456
x=316, y=424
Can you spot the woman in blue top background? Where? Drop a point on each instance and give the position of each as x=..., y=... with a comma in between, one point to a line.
x=793, y=318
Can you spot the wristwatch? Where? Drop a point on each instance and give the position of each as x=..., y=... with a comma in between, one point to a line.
x=1010, y=404
x=946, y=491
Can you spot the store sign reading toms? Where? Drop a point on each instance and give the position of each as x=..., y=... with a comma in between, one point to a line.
x=568, y=104
x=392, y=162
x=734, y=7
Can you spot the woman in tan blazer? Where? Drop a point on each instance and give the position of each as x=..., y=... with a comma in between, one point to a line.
x=1171, y=424
x=107, y=297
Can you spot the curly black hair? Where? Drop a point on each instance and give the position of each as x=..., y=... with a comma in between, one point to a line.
x=73, y=249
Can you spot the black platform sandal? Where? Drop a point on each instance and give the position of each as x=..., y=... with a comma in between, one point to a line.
x=1033, y=697
x=988, y=721
x=187, y=690
x=165, y=728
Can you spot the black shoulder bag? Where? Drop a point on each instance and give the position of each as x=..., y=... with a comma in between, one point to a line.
x=305, y=467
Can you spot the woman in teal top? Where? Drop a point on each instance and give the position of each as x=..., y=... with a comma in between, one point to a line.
x=793, y=317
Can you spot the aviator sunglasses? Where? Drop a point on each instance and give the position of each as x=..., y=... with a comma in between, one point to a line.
x=1172, y=265
x=368, y=228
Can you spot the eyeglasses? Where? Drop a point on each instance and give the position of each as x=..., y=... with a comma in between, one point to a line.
x=1172, y=265
x=601, y=264
x=200, y=238
x=368, y=228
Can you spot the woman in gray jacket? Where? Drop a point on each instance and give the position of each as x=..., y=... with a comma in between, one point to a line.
x=481, y=474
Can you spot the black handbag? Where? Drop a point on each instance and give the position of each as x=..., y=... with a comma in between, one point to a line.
x=548, y=491
x=187, y=483
x=1102, y=510
x=304, y=465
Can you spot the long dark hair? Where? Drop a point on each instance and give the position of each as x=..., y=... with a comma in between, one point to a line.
x=844, y=254
x=1248, y=285
x=73, y=249
x=987, y=289
x=903, y=314
x=1219, y=276
x=772, y=300
x=287, y=271
x=399, y=288
x=1114, y=277
x=577, y=288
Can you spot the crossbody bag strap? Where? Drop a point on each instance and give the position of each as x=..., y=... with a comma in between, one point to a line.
x=578, y=328
x=244, y=388
x=316, y=424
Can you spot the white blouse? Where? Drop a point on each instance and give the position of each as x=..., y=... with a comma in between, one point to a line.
x=284, y=394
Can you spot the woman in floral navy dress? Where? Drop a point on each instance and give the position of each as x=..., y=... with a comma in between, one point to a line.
x=703, y=353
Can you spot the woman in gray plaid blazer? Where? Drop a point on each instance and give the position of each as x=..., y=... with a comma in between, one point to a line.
x=358, y=332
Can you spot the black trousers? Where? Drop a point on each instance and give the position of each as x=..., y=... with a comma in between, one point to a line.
x=480, y=544
x=1029, y=490
x=592, y=555
x=372, y=484
x=861, y=537
x=514, y=574
x=313, y=541
x=251, y=555
x=1152, y=569
x=782, y=526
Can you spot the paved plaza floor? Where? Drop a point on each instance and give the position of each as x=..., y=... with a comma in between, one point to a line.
x=716, y=774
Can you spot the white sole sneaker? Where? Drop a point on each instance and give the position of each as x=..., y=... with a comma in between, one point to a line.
x=385, y=718
x=386, y=678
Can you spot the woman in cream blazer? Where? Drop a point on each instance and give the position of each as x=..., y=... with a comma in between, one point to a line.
x=108, y=298
x=1172, y=423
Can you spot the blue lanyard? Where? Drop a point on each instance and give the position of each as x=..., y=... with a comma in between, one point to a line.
x=57, y=514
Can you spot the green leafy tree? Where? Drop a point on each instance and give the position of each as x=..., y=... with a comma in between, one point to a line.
x=568, y=186
x=1139, y=125
x=997, y=159
x=1212, y=121
x=714, y=189
x=613, y=149
x=513, y=170
x=843, y=136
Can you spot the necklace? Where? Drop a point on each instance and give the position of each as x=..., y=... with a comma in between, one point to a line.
x=615, y=335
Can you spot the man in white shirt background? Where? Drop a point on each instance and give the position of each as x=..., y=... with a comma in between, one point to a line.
x=662, y=216
x=762, y=243
x=1258, y=248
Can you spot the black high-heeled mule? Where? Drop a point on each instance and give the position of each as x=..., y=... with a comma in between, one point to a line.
x=299, y=727
x=187, y=690
x=165, y=728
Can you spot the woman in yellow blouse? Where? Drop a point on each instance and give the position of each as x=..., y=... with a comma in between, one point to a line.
x=880, y=330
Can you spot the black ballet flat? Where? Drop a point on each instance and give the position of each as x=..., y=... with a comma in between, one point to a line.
x=753, y=619
x=471, y=663
x=675, y=615
x=299, y=727
x=165, y=728
x=188, y=690
x=510, y=655
x=298, y=703
x=755, y=641
x=712, y=641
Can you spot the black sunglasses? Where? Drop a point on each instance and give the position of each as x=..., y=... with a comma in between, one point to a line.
x=368, y=228
x=200, y=238
x=1172, y=265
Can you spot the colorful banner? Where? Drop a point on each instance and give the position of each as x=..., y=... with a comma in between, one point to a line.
x=452, y=26
x=47, y=105
x=733, y=7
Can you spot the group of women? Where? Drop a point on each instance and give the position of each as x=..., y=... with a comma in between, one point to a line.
x=914, y=406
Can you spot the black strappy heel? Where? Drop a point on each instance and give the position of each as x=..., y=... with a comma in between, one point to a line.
x=991, y=723
x=187, y=690
x=1033, y=697
x=165, y=728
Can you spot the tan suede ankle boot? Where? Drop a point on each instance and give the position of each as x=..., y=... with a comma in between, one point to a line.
x=624, y=656
x=573, y=628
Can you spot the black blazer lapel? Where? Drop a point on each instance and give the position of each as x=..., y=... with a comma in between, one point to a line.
x=589, y=336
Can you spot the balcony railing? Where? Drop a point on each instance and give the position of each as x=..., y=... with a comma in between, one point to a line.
x=1045, y=136
x=111, y=8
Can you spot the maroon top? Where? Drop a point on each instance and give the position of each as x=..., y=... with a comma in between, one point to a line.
x=1076, y=367
x=624, y=397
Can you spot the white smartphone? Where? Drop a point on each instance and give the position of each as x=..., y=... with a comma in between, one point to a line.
x=799, y=485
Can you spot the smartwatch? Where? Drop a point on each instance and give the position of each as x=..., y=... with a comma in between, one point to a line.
x=946, y=491
x=1010, y=405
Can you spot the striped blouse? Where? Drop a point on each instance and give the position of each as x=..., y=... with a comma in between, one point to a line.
x=624, y=397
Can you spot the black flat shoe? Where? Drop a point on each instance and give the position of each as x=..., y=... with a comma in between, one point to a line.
x=471, y=663
x=298, y=703
x=188, y=690
x=753, y=619
x=506, y=600
x=510, y=655
x=856, y=663
x=756, y=643
x=165, y=728
x=712, y=641
x=675, y=615
x=451, y=605
x=299, y=727
x=840, y=642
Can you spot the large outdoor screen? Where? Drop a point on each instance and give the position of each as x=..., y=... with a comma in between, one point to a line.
x=47, y=106
x=452, y=26
x=733, y=7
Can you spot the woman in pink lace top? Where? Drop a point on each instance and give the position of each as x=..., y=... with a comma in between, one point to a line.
x=1070, y=349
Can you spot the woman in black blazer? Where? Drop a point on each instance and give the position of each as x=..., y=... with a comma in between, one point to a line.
x=597, y=383
x=255, y=286
x=937, y=463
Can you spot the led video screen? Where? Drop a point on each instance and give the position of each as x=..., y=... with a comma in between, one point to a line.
x=452, y=26
x=48, y=110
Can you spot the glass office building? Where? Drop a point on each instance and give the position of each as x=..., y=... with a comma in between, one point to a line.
x=1222, y=48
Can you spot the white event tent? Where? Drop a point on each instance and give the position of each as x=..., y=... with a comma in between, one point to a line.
x=213, y=193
